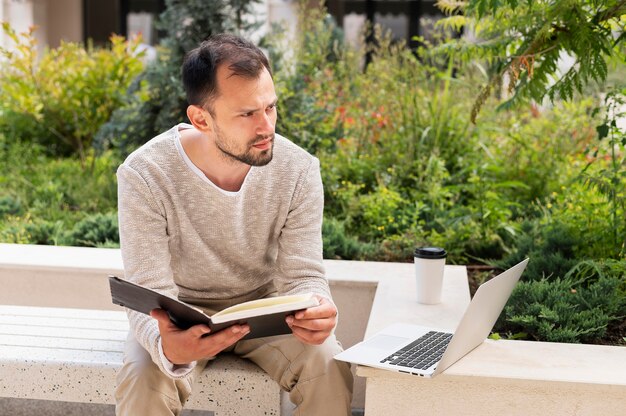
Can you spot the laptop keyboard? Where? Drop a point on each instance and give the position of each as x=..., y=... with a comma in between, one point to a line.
x=421, y=353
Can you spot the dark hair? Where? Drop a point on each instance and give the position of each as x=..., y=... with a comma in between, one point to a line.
x=199, y=70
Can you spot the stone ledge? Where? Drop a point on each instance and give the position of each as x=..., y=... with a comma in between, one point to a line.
x=75, y=354
x=534, y=361
x=76, y=277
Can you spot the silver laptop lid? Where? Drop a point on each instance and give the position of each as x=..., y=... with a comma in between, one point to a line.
x=481, y=315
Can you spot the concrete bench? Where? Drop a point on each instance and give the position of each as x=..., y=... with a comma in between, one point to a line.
x=73, y=355
x=76, y=277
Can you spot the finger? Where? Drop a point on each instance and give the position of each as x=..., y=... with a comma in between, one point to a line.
x=166, y=324
x=225, y=338
x=325, y=310
x=199, y=330
x=310, y=337
x=163, y=319
x=325, y=324
x=159, y=315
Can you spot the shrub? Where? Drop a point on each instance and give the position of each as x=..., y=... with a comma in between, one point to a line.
x=588, y=215
x=576, y=308
x=610, y=178
x=338, y=245
x=536, y=147
x=9, y=206
x=53, y=193
x=95, y=230
x=551, y=248
x=61, y=98
x=26, y=230
x=45, y=232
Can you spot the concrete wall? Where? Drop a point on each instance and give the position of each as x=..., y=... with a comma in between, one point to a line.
x=18, y=14
x=55, y=20
x=64, y=21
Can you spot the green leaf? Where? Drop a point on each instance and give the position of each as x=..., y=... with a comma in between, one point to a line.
x=603, y=131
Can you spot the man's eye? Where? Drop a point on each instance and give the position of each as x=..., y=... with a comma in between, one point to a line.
x=250, y=114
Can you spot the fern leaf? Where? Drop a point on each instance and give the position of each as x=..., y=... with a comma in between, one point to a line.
x=451, y=6
x=453, y=22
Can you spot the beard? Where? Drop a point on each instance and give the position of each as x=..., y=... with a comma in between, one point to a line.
x=249, y=156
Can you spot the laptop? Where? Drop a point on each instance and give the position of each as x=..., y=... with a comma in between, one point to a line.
x=426, y=352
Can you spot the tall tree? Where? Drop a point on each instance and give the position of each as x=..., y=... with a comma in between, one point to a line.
x=524, y=41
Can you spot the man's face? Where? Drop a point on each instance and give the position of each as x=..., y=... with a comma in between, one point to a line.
x=244, y=117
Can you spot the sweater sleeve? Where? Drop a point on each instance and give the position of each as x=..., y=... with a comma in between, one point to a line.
x=299, y=261
x=146, y=255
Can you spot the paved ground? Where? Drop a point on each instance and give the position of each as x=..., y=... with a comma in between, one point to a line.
x=24, y=407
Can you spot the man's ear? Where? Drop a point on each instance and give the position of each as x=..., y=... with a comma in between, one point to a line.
x=200, y=119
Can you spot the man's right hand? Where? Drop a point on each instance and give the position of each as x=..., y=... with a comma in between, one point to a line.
x=182, y=346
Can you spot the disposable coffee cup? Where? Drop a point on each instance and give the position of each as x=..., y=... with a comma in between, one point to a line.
x=429, y=264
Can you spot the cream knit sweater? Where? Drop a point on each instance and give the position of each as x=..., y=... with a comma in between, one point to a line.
x=182, y=235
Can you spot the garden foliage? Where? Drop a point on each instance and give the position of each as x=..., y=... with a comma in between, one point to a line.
x=404, y=166
x=44, y=198
x=579, y=307
x=61, y=98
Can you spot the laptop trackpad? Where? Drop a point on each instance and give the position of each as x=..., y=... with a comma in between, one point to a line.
x=385, y=342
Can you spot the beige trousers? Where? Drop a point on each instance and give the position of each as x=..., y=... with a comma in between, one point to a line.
x=317, y=384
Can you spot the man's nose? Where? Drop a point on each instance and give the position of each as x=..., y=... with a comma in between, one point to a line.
x=266, y=125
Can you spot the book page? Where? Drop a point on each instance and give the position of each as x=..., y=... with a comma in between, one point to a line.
x=260, y=304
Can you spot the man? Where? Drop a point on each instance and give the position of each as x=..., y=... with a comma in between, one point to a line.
x=219, y=212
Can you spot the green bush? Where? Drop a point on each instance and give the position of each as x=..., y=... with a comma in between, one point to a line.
x=46, y=233
x=310, y=83
x=537, y=147
x=338, y=245
x=51, y=189
x=9, y=206
x=402, y=163
x=61, y=98
x=576, y=308
x=53, y=193
x=95, y=230
x=551, y=248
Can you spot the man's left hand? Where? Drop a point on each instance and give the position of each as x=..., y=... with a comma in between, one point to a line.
x=314, y=325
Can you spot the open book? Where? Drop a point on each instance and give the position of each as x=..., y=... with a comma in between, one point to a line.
x=266, y=317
